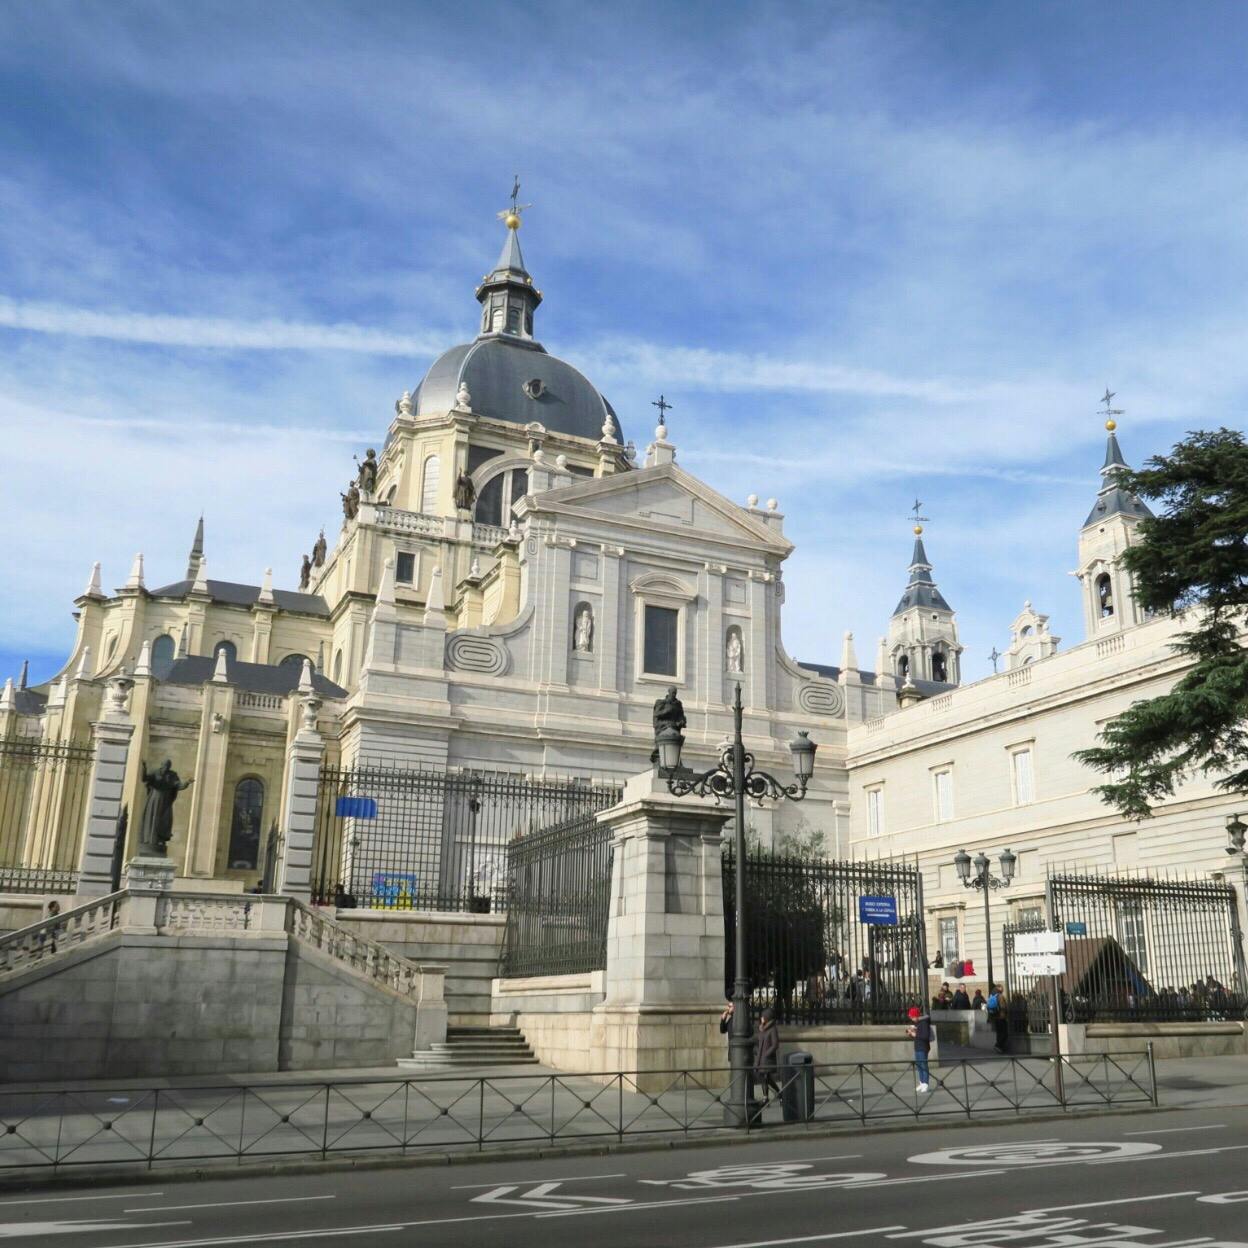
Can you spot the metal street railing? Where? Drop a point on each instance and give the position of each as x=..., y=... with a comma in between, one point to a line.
x=154, y=1127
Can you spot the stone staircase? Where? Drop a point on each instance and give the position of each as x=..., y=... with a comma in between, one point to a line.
x=474, y=1047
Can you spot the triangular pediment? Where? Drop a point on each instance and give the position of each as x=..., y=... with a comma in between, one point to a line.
x=666, y=498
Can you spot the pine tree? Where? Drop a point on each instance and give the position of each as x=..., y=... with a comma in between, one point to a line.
x=1192, y=561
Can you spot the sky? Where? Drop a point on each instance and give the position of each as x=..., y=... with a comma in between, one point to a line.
x=871, y=252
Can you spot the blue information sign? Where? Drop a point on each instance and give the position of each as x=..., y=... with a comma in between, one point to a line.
x=356, y=808
x=880, y=911
x=1076, y=929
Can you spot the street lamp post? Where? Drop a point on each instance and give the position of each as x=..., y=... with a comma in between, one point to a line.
x=986, y=882
x=735, y=777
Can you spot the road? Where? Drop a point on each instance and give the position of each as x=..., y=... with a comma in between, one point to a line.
x=1152, y=1180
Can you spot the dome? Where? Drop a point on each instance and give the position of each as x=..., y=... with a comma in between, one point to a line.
x=515, y=380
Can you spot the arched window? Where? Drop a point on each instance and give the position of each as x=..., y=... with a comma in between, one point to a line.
x=338, y=668
x=939, y=668
x=295, y=662
x=431, y=474
x=498, y=494
x=393, y=490
x=163, y=649
x=231, y=650
x=244, y=851
x=1105, y=595
x=903, y=666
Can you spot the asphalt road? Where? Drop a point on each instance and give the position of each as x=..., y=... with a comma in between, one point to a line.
x=1154, y=1180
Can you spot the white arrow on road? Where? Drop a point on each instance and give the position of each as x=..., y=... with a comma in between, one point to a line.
x=14, y=1230
x=537, y=1198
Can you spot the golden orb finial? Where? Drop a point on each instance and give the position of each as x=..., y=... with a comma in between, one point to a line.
x=512, y=220
x=918, y=530
x=1111, y=424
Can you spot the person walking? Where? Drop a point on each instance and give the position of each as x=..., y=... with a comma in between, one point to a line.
x=767, y=1054
x=920, y=1031
x=960, y=1000
x=997, y=1017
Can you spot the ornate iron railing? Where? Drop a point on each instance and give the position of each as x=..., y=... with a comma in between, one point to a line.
x=43, y=801
x=812, y=957
x=558, y=899
x=1148, y=949
x=157, y=1127
x=395, y=838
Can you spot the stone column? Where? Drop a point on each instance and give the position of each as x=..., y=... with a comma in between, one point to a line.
x=303, y=773
x=112, y=732
x=664, y=982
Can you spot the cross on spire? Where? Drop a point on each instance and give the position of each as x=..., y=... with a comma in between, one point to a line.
x=1107, y=398
x=995, y=656
x=664, y=407
x=916, y=517
x=511, y=216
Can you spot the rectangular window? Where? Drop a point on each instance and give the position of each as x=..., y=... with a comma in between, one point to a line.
x=943, y=781
x=1029, y=916
x=1020, y=761
x=662, y=625
x=948, y=936
x=1131, y=933
x=405, y=567
x=875, y=811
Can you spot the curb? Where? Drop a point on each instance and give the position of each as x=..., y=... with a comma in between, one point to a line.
x=129, y=1175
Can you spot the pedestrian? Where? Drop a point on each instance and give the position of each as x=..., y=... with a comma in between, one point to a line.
x=725, y=1019
x=49, y=934
x=960, y=1000
x=767, y=1054
x=997, y=1017
x=977, y=1001
x=920, y=1031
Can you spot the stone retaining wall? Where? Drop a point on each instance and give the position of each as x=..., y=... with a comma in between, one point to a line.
x=553, y=1012
x=1210, y=1039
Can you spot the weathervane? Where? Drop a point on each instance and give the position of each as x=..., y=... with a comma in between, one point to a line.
x=916, y=517
x=1110, y=412
x=510, y=217
x=664, y=407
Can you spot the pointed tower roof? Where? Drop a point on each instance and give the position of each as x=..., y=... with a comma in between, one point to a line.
x=1112, y=500
x=510, y=278
x=197, y=551
x=921, y=590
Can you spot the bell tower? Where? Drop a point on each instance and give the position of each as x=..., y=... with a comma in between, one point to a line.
x=1109, y=603
x=923, y=634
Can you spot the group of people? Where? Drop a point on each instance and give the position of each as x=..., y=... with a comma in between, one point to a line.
x=957, y=999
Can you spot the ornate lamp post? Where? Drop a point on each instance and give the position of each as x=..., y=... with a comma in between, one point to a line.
x=735, y=777
x=984, y=880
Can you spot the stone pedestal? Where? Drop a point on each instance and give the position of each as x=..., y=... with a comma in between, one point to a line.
x=112, y=733
x=148, y=878
x=664, y=982
x=430, y=1008
x=303, y=772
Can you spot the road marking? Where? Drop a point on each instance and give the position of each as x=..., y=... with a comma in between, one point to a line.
x=1213, y=1126
x=651, y=1204
x=813, y=1239
x=1097, y=1204
x=583, y=1178
x=14, y=1230
x=232, y=1204
x=1031, y=1153
x=544, y=1196
x=64, y=1200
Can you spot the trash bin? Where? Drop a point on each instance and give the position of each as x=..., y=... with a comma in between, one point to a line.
x=798, y=1094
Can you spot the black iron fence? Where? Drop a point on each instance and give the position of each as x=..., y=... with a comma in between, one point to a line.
x=393, y=838
x=155, y=1127
x=43, y=801
x=1138, y=949
x=558, y=898
x=829, y=942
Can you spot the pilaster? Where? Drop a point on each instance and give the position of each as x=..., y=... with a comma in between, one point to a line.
x=203, y=829
x=303, y=770
x=112, y=733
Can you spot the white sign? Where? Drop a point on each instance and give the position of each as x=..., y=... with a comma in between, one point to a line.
x=1040, y=942
x=1040, y=963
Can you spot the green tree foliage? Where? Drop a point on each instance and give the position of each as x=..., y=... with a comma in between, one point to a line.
x=1191, y=560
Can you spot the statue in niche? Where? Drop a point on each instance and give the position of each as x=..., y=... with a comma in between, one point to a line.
x=583, y=629
x=366, y=478
x=669, y=711
x=318, y=551
x=305, y=572
x=734, y=651
x=163, y=786
x=350, y=501
x=465, y=492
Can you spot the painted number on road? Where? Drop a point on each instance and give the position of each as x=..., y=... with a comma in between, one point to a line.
x=1029, y=1154
x=763, y=1176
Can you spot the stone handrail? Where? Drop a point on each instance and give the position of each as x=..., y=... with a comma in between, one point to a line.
x=364, y=957
x=27, y=947
x=395, y=518
x=259, y=701
x=488, y=534
x=205, y=912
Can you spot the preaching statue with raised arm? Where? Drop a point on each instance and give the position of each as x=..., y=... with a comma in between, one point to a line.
x=163, y=786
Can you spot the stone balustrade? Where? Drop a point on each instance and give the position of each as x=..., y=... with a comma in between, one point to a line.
x=29, y=946
x=364, y=957
x=396, y=520
x=245, y=701
x=487, y=535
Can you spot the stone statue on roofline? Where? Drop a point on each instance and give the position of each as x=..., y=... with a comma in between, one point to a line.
x=350, y=501
x=669, y=712
x=163, y=786
x=318, y=551
x=305, y=572
x=465, y=492
x=366, y=479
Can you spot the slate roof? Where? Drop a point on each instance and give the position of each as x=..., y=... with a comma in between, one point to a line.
x=1112, y=501
x=28, y=702
x=921, y=591
x=233, y=594
x=928, y=688
x=197, y=669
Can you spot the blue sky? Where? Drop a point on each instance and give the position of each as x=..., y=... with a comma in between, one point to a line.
x=870, y=251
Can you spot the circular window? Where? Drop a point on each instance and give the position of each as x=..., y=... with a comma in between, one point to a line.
x=535, y=388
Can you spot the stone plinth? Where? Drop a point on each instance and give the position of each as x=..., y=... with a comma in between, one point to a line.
x=112, y=733
x=430, y=1007
x=664, y=982
x=148, y=873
